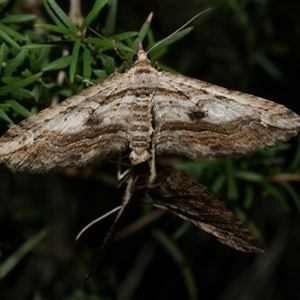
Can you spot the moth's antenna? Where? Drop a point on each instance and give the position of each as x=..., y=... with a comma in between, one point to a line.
x=95, y=221
x=120, y=46
x=187, y=23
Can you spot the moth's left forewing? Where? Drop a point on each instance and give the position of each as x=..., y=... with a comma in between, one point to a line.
x=204, y=121
x=73, y=132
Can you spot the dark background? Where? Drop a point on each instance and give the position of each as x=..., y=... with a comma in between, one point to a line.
x=250, y=46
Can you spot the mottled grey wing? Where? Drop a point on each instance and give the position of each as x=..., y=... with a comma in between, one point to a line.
x=204, y=121
x=193, y=202
x=71, y=133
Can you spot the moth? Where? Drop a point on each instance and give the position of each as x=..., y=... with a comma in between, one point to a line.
x=151, y=112
x=146, y=109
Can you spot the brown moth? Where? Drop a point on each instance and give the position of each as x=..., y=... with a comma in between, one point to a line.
x=153, y=112
x=146, y=109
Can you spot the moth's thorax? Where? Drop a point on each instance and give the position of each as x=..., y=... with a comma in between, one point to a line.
x=144, y=77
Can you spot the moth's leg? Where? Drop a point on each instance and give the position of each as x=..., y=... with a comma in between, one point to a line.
x=155, y=66
x=129, y=195
x=152, y=167
x=95, y=221
x=121, y=177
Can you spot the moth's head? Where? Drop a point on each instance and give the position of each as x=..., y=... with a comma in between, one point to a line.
x=141, y=58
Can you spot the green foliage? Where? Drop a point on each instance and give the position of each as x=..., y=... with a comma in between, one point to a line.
x=30, y=61
x=179, y=258
x=10, y=263
x=29, y=69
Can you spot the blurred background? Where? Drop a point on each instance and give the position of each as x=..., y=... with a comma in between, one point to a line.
x=249, y=46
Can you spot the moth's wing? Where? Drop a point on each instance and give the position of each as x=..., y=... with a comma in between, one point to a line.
x=73, y=132
x=204, y=121
x=193, y=202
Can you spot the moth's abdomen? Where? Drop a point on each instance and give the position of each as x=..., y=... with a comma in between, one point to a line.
x=140, y=129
